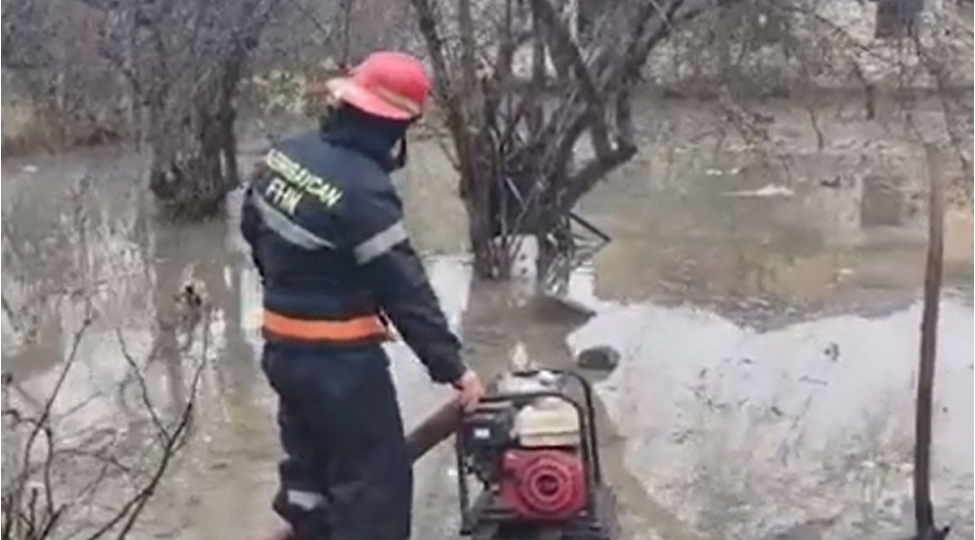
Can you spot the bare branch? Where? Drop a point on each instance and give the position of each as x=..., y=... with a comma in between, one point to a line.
x=590, y=174
x=43, y=422
x=653, y=25
x=174, y=440
x=567, y=54
x=443, y=84
x=171, y=439
x=938, y=74
x=143, y=387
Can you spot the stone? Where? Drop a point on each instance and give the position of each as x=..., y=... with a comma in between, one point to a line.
x=559, y=309
x=600, y=357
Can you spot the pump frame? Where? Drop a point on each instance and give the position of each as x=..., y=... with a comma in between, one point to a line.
x=482, y=521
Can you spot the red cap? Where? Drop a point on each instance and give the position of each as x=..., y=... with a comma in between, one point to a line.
x=386, y=84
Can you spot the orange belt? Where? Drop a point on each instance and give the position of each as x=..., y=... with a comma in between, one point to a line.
x=319, y=330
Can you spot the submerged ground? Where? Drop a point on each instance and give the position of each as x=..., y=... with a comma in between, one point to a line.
x=766, y=307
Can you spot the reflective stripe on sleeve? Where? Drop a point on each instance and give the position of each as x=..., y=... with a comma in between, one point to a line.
x=306, y=500
x=380, y=243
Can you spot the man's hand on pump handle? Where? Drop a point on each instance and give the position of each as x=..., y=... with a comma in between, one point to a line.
x=469, y=390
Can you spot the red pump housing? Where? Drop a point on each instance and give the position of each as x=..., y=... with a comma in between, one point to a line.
x=543, y=484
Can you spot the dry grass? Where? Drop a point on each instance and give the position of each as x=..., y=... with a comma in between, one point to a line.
x=20, y=129
x=25, y=130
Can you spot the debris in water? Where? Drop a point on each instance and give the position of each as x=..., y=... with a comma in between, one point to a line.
x=600, y=357
x=30, y=169
x=832, y=351
x=836, y=182
x=770, y=190
x=519, y=358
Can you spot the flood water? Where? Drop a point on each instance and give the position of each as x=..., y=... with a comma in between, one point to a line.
x=767, y=317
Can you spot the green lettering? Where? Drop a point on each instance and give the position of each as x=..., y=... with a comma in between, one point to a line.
x=292, y=171
x=274, y=161
x=300, y=178
x=304, y=179
x=315, y=186
x=283, y=196
x=330, y=196
x=289, y=200
x=274, y=188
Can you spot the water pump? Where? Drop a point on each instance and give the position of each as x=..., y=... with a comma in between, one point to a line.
x=531, y=450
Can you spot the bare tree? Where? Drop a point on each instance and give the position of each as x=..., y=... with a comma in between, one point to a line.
x=184, y=60
x=529, y=143
x=518, y=142
x=51, y=64
x=172, y=68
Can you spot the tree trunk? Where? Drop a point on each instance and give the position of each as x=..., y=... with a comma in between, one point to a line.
x=475, y=153
x=479, y=236
x=188, y=176
x=228, y=139
x=193, y=143
x=484, y=229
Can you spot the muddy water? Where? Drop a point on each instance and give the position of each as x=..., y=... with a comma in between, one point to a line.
x=767, y=320
x=748, y=435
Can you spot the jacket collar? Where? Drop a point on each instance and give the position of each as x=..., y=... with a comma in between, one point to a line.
x=370, y=136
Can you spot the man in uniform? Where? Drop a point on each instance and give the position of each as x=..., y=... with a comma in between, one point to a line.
x=325, y=226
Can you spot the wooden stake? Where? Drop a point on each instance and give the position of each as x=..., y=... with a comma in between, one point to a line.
x=923, y=511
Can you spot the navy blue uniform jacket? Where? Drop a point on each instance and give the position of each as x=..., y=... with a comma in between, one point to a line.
x=325, y=226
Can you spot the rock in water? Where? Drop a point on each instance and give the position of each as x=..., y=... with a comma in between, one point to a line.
x=601, y=357
x=561, y=310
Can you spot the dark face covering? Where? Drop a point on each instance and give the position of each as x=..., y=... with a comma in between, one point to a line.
x=375, y=137
x=399, y=160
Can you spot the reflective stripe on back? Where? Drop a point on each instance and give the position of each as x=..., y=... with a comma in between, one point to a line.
x=287, y=229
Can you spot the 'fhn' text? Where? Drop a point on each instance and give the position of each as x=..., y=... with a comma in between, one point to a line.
x=297, y=181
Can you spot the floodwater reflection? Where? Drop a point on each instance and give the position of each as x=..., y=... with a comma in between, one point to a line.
x=768, y=339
